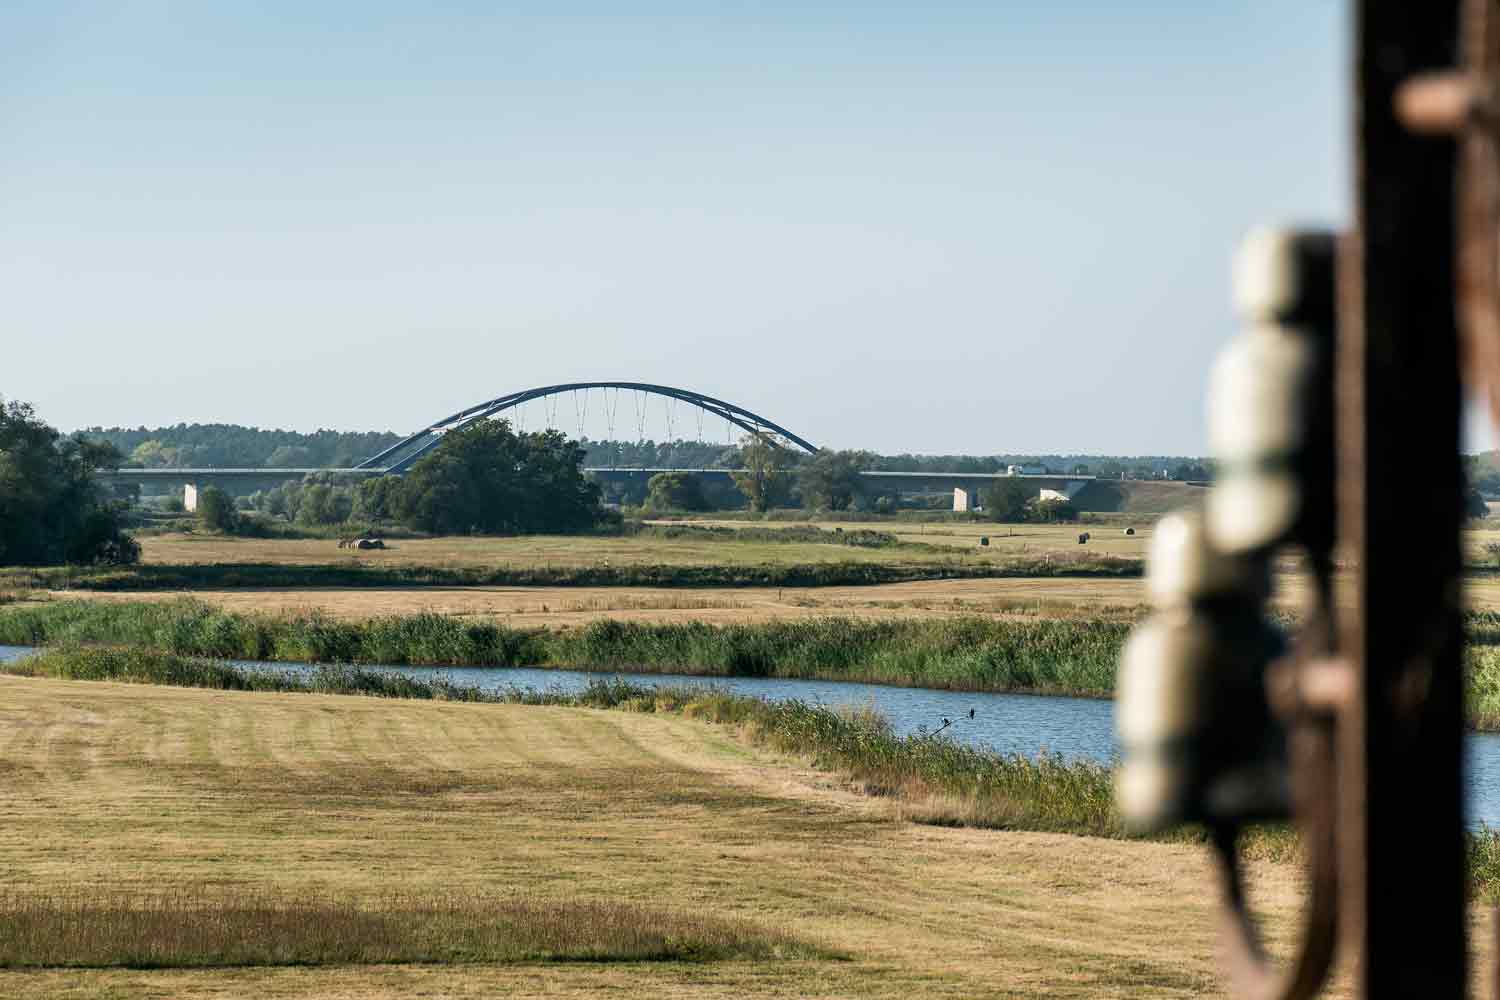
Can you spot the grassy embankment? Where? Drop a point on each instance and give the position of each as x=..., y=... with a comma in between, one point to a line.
x=134, y=792
x=935, y=779
x=1040, y=656
x=941, y=780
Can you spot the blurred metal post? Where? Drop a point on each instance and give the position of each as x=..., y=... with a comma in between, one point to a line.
x=1402, y=856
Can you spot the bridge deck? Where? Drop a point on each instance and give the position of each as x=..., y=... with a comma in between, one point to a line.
x=289, y=473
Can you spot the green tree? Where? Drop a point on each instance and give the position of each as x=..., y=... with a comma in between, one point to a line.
x=675, y=491
x=486, y=479
x=1053, y=510
x=373, y=498
x=1007, y=501
x=1483, y=472
x=764, y=475
x=1474, y=505
x=290, y=456
x=217, y=511
x=152, y=455
x=831, y=480
x=317, y=505
x=52, y=508
x=1189, y=472
x=229, y=445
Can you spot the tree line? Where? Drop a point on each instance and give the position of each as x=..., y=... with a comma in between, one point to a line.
x=484, y=479
x=52, y=507
x=771, y=475
x=188, y=446
x=237, y=446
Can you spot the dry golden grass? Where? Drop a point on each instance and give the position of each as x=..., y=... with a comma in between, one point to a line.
x=569, y=606
x=115, y=791
x=132, y=790
x=1108, y=539
x=560, y=607
x=525, y=552
x=199, y=926
x=1006, y=542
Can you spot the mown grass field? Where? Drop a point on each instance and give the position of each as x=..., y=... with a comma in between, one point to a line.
x=587, y=550
x=655, y=556
x=562, y=607
x=1108, y=537
x=123, y=792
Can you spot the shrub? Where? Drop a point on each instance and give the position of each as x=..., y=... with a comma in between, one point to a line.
x=217, y=511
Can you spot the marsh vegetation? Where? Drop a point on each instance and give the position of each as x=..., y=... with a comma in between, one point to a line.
x=965, y=653
x=1044, y=655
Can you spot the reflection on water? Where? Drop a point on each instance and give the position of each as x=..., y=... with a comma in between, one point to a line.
x=1012, y=723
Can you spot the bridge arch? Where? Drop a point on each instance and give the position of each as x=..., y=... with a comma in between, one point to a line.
x=400, y=456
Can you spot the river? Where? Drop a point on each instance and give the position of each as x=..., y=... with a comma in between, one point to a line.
x=1011, y=723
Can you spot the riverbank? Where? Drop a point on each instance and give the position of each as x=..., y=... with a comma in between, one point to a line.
x=1067, y=656
x=132, y=792
x=930, y=779
x=1057, y=656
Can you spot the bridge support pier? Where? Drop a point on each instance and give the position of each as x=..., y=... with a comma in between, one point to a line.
x=190, y=497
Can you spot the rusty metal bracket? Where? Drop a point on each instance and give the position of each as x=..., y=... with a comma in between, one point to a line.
x=1308, y=690
x=1465, y=103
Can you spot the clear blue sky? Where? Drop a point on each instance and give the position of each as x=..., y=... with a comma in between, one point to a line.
x=932, y=227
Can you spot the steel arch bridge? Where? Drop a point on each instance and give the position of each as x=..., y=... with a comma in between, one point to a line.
x=400, y=456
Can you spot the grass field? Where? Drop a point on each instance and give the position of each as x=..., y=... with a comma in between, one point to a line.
x=573, y=550
x=572, y=606
x=126, y=792
x=723, y=562
x=564, y=607
x=964, y=536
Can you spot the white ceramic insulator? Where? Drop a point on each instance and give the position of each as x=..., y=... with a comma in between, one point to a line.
x=1274, y=271
x=1149, y=792
x=1256, y=393
x=1249, y=513
x=1183, y=565
x=1162, y=676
